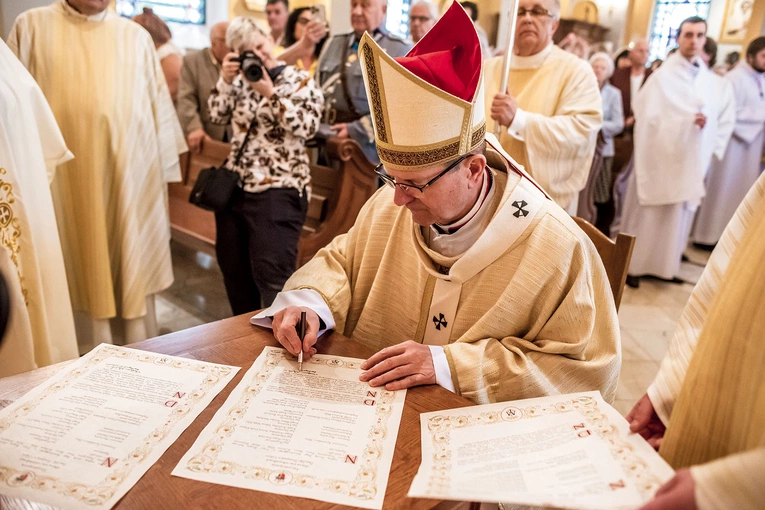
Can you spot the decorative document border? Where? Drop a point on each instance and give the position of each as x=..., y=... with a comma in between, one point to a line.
x=363, y=487
x=100, y=493
x=597, y=421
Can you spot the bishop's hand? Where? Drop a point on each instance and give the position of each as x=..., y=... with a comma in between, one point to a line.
x=400, y=366
x=503, y=108
x=644, y=420
x=284, y=325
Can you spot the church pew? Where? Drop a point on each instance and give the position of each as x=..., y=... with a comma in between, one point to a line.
x=338, y=193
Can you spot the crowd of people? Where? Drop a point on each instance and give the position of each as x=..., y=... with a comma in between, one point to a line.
x=505, y=296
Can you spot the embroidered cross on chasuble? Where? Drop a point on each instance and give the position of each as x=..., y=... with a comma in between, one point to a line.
x=506, y=228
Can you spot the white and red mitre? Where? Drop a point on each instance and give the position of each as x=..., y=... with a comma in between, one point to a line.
x=427, y=107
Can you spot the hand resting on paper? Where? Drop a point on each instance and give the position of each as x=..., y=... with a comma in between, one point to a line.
x=677, y=494
x=284, y=326
x=400, y=366
x=644, y=421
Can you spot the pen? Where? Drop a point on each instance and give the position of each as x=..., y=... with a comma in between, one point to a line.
x=301, y=330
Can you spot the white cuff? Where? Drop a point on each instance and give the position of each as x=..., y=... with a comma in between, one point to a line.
x=222, y=86
x=517, y=127
x=441, y=365
x=308, y=298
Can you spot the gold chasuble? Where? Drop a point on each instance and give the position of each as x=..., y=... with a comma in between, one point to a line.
x=525, y=309
x=103, y=80
x=534, y=314
x=40, y=327
x=711, y=386
x=559, y=95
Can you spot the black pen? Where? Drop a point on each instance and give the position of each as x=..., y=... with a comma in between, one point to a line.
x=301, y=330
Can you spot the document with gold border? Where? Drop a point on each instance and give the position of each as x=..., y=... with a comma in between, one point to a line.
x=84, y=437
x=565, y=451
x=318, y=433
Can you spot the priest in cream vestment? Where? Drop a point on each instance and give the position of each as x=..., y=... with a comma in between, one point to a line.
x=104, y=83
x=684, y=115
x=41, y=328
x=551, y=112
x=710, y=389
x=461, y=272
x=731, y=176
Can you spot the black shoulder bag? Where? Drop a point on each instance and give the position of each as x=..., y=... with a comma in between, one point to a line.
x=215, y=185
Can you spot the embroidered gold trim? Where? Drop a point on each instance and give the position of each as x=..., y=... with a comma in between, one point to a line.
x=419, y=158
x=374, y=92
x=478, y=135
x=10, y=230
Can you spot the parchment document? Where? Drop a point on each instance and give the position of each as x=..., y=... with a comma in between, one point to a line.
x=319, y=434
x=84, y=437
x=565, y=451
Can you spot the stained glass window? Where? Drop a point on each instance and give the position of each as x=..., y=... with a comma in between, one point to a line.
x=666, y=20
x=397, y=18
x=178, y=11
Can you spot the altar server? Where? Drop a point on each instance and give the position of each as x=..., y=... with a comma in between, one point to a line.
x=551, y=112
x=677, y=130
x=705, y=411
x=462, y=271
x=41, y=328
x=730, y=177
x=102, y=78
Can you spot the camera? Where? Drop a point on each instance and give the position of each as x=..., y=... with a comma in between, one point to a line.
x=251, y=65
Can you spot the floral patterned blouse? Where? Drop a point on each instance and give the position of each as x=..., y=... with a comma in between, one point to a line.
x=275, y=155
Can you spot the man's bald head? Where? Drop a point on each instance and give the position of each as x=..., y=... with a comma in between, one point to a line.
x=638, y=53
x=218, y=40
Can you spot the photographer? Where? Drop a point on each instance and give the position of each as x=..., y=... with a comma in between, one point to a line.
x=273, y=109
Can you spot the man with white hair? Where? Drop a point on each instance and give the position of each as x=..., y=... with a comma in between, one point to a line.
x=103, y=80
x=628, y=80
x=198, y=76
x=422, y=16
x=551, y=112
x=338, y=73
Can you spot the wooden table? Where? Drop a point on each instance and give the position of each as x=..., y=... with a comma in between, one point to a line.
x=236, y=342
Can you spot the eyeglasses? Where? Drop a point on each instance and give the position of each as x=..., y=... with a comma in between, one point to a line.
x=420, y=19
x=536, y=12
x=415, y=189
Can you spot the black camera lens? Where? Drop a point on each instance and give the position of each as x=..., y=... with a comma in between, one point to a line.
x=251, y=65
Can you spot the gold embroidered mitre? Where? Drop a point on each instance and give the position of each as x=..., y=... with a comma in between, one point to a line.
x=427, y=107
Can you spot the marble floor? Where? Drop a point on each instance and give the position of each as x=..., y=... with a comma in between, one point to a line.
x=647, y=316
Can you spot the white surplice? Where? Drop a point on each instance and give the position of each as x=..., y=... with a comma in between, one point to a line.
x=672, y=156
x=40, y=329
x=731, y=177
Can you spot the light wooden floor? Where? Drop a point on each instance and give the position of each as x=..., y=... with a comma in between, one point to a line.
x=648, y=315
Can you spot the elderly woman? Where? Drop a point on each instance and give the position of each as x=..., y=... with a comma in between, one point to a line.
x=257, y=235
x=170, y=55
x=598, y=189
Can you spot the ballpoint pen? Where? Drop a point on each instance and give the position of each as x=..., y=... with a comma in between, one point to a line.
x=301, y=331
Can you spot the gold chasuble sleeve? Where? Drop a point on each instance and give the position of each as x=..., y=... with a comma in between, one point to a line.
x=665, y=388
x=718, y=422
x=538, y=320
x=564, y=114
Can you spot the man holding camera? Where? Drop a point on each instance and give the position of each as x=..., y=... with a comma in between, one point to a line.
x=339, y=74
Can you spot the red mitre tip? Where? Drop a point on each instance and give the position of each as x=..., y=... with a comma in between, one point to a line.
x=449, y=56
